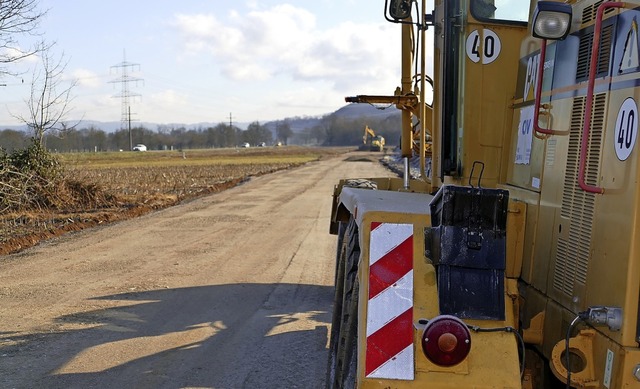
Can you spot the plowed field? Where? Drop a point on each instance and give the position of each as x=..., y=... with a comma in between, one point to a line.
x=129, y=184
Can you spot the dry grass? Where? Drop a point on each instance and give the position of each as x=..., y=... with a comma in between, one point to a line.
x=105, y=187
x=183, y=175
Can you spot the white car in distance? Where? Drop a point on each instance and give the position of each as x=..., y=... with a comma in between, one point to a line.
x=139, y=147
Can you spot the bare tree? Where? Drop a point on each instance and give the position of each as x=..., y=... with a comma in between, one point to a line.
x=284, y=131
x=17, y=18
x=50, y=98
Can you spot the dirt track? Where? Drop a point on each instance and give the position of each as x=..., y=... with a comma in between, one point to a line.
x=229, y=291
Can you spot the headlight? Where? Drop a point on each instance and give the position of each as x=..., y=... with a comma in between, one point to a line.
x=551, y=20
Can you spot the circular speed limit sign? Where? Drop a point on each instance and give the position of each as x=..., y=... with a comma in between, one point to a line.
x=626, y=131
x=486, y=47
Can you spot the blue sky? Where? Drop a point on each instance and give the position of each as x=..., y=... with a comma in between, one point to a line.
x=203, y=59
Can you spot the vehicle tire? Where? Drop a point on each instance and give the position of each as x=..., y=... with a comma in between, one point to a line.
x=349, y=317
x=361, y=183
x=345, y=230
x=350, y=365
x=340, y=247
x=349, y=249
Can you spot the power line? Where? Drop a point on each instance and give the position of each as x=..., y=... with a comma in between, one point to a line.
x=124, y=69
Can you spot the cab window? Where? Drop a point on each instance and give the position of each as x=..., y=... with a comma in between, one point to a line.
x=505, y=11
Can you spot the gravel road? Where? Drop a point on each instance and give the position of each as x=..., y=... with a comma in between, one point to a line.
x=229, y=291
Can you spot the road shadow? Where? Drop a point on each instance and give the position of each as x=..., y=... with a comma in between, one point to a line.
x=219, y=336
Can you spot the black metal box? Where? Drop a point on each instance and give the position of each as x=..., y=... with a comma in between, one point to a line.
x=467, y=244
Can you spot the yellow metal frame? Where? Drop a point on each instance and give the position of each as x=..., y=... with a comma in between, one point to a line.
x=490, y=116
x=489, y=350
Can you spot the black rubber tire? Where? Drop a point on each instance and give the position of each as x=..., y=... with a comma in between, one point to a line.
x=361, y=183
x=345, y=230
x=348, y=255
x=350, y=363
x=349, y=317
x=340, y=247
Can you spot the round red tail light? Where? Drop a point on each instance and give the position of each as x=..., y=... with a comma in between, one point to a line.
x=446, y=340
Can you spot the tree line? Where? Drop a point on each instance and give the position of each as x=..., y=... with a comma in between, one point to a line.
x=330, y=130
x=163, y=138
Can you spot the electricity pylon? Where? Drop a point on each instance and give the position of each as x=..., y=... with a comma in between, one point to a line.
x=125, y=78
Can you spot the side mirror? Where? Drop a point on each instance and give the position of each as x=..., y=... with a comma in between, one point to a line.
x=400, y=9
x=551, y=20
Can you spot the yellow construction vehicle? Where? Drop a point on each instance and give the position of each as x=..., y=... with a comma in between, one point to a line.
x=371, y=141
x=514, y=261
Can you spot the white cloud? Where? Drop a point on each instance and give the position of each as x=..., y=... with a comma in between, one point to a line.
x=87, y=78
x=285, y=40
x=168, y=98
x=206, y=33
x=311, y=97
x=16, y=52
x=353, y=54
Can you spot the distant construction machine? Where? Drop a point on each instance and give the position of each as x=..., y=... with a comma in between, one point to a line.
x=371, y=141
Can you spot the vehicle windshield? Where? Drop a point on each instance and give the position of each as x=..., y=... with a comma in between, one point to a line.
x=503, y=10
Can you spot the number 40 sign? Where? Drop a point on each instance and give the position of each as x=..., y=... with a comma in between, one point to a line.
x=626, y=130
x=485, y=47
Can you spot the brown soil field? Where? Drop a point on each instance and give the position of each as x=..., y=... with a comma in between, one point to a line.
x=118, y=186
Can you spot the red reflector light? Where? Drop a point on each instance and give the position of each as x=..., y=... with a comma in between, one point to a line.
x=446, y=341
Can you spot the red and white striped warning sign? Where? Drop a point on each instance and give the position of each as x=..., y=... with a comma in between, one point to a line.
x=389, y=352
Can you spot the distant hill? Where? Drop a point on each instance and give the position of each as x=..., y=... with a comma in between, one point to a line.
x=298, y=123
x=358, y=110
x=349, y=111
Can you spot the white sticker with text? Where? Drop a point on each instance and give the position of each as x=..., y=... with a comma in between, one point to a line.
x=525, y=136
x=607, y=369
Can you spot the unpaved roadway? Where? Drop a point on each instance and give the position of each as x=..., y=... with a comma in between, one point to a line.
x=229, y=291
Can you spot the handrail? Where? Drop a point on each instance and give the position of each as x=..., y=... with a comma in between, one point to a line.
x=423, y=105
x=586, y=129
x=539, y=76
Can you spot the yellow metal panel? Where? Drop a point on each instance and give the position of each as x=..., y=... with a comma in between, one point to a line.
x=531, y=199
x=626, y=375
x=614, y=363
x=516, y=219
x=487, y=116
x=488, y=350
x=615, y=231
x=424, y=303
